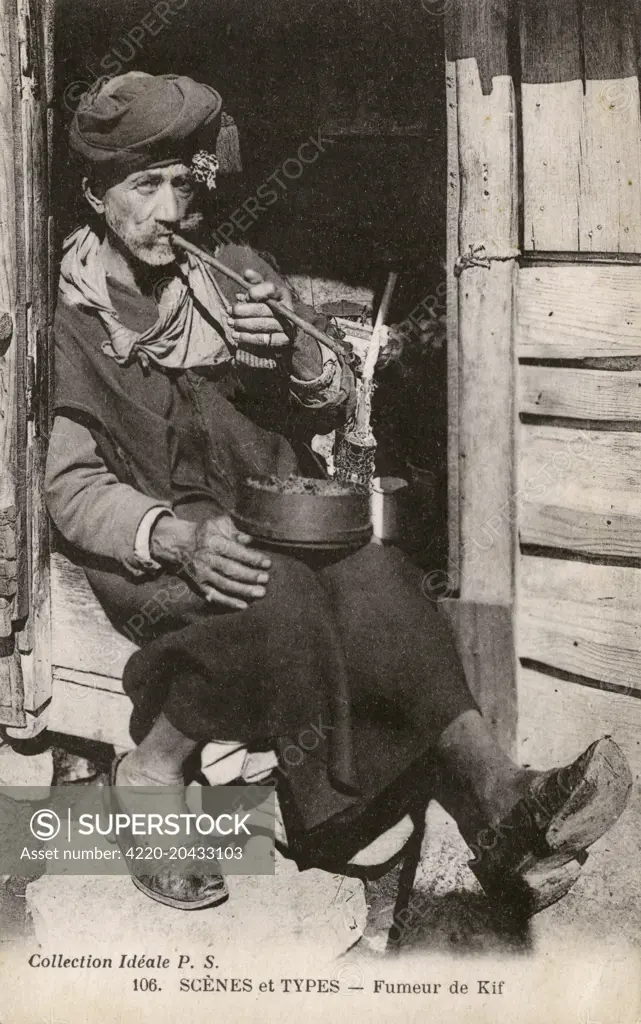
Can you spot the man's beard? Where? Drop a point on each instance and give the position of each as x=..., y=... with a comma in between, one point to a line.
x=155, y=252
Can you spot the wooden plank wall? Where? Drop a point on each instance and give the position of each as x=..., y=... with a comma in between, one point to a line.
x=580, y=119
x=578, y=342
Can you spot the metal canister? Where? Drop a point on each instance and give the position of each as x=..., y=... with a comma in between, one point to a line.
x=386, y=507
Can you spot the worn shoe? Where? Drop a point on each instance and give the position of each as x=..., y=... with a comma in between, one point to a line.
x=173, y=888
x=533, y=857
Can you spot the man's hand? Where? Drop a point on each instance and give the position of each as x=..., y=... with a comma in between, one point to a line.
x=253, y=323
x=215, y=556
x=254, y=326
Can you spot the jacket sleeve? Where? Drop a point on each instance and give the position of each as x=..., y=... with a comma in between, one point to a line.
x=93, y=510
x=331, y=389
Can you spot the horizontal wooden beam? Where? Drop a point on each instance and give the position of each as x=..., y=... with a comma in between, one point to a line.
x=555, y=460
x=82, y=709
x=578, y=490
x=579, y=394
x=574, y=312
x=582, y=532
x=83, y=639
x=581, y=619
x=550, y=257
x=559, y=719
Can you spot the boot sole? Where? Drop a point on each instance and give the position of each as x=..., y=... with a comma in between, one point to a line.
x=536, y=885
x=595, y=804
x=171, y=901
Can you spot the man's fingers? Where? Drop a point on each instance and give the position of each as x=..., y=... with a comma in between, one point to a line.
x=213, y=596
x=260, y=288
x=238, y=553
x=232, y=588
x=253, y=276
x=267, y=341
x=266, y=290
x=257, y=325
x=252, y=309
x=233, y=570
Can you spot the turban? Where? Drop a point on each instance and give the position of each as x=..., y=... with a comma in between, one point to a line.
x=136, y=121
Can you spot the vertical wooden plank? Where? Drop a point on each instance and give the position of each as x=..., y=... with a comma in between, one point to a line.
x=482, y=423
x=581, y=125
x=552, y=170
x=488, y=228
x=28, y=297
x=25, y=282
x=486, y=434
x=18, y=61
x=11, y=681
x=36, y=65
x=452, y=251
x=551, y=113
x=479, y=29
x=610, y=204
x=484, y=637
x=8, y=283
x=11, y=709
x=487, y=161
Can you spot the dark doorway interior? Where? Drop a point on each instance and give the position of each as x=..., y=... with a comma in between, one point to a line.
x=368, y=75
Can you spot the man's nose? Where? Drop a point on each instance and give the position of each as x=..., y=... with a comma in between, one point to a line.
x=167, y=209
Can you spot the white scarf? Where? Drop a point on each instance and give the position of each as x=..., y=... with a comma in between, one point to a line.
x=180, y=338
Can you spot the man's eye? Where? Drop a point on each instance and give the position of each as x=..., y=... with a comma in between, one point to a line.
x=184, y=188
x=146, y=188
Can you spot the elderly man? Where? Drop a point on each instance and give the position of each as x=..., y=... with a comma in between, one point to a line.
x=171, y=388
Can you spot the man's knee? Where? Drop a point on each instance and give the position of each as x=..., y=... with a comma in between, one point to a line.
x=294, y=590
x=289, y=571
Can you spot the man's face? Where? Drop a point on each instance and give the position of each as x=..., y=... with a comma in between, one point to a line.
x=143, y=210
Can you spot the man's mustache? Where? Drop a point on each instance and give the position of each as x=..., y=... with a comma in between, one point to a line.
x=185, y=226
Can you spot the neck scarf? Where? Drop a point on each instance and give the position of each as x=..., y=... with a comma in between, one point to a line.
x=181, y=337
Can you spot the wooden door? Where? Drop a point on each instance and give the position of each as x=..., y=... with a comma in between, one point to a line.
x=25, y=330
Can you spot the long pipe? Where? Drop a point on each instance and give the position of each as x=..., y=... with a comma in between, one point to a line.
x=274, y=304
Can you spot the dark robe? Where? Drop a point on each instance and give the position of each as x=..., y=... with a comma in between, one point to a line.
x=344, y=667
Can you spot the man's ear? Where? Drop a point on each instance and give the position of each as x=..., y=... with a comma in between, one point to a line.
x=95, y=203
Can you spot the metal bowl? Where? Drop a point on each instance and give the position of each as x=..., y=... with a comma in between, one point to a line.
x=315, y=520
